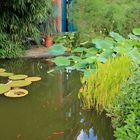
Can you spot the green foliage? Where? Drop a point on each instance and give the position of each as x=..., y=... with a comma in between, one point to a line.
x=61, y=61
x=17, y=21
x=125, y=111
x=106, y=15
x=69, y=39
x=57, y=49
x=101, y=88
x=8, y=48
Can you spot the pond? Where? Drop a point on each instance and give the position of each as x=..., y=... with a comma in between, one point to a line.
x=52, y=110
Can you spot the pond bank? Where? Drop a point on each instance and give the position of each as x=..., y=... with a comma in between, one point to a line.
x=39, y=52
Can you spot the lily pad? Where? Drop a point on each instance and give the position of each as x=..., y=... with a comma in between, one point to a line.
x=79, y=49
x=136, y=31
x=18, y=77
x=32, y=79
x=57, y=49
x=16, y=93
x=19, y=83
x=2, y=70
x=103, y=44
x=61, y=61
x=6, y=74
x=4, y=88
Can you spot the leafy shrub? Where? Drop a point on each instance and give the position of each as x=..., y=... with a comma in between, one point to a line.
x=8, y=48
x=69, y=39
x=103, y=85
x=18, y=20
x=106, y=15
x=125, y=111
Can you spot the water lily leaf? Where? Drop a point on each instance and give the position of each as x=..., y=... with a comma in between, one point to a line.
x=57, y=50
x=80, y=65
x=133, y=37
x=103, y=44
x=18, y=77
x=19, y=83
x=90, y=60
x=32, y=79
x=117, y=37
x=102, y=58
x=79, y=49
x=16, y=93
x=6, y=74
x=2, y=70
x=61, y=61
x=135, y=55
x=74, y=58
x=91, y=52
x=136, y=31
x=4, y=88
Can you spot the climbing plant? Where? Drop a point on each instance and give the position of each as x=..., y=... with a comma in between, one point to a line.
x=18, y=20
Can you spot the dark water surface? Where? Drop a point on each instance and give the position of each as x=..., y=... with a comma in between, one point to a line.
x=51, y=111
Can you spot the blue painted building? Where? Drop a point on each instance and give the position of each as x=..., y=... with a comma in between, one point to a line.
x=67, y=23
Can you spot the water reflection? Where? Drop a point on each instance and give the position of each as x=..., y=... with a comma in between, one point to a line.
x=51, y=110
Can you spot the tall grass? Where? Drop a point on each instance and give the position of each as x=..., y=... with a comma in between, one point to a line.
x=101, y=88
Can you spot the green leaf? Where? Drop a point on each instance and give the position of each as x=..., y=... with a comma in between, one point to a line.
x=90, y=60
x=61, y=61
x=136, y=31
x=57, y=50
x=79, y=49
x=74, y=58
x=80, y=65
x=135, y=55
x=117, y=37
x=103, y=44
x=91, y=52
x=4, y=88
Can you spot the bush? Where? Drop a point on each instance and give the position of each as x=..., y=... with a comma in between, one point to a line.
x=8, y=48
x=106, y=15
x=17, y=21
x=125, y=111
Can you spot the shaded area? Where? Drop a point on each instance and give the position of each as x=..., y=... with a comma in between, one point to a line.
x=51, y=110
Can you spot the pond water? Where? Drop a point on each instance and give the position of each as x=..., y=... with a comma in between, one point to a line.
x=52, y=110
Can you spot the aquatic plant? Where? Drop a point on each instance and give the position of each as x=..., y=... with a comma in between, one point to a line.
x=101, y=88
x=2, y=70
x=11, y=89
x=125, y=111
x=32, y=79
x=18, y=92
x=6, y=74
x=4, y=88
x=19, y=83
x=18, y=77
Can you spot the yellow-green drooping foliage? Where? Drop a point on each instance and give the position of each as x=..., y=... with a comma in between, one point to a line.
x=101, y=88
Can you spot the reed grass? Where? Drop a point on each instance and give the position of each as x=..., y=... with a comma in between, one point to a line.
x=101, y=88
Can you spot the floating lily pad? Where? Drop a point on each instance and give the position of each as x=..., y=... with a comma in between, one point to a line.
x=18, y=77
x=16, y=93
x=32, y=79
x=2, y=70
x=4, y=88
x=61, y=61
x=6, y=74
x=19, y=83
